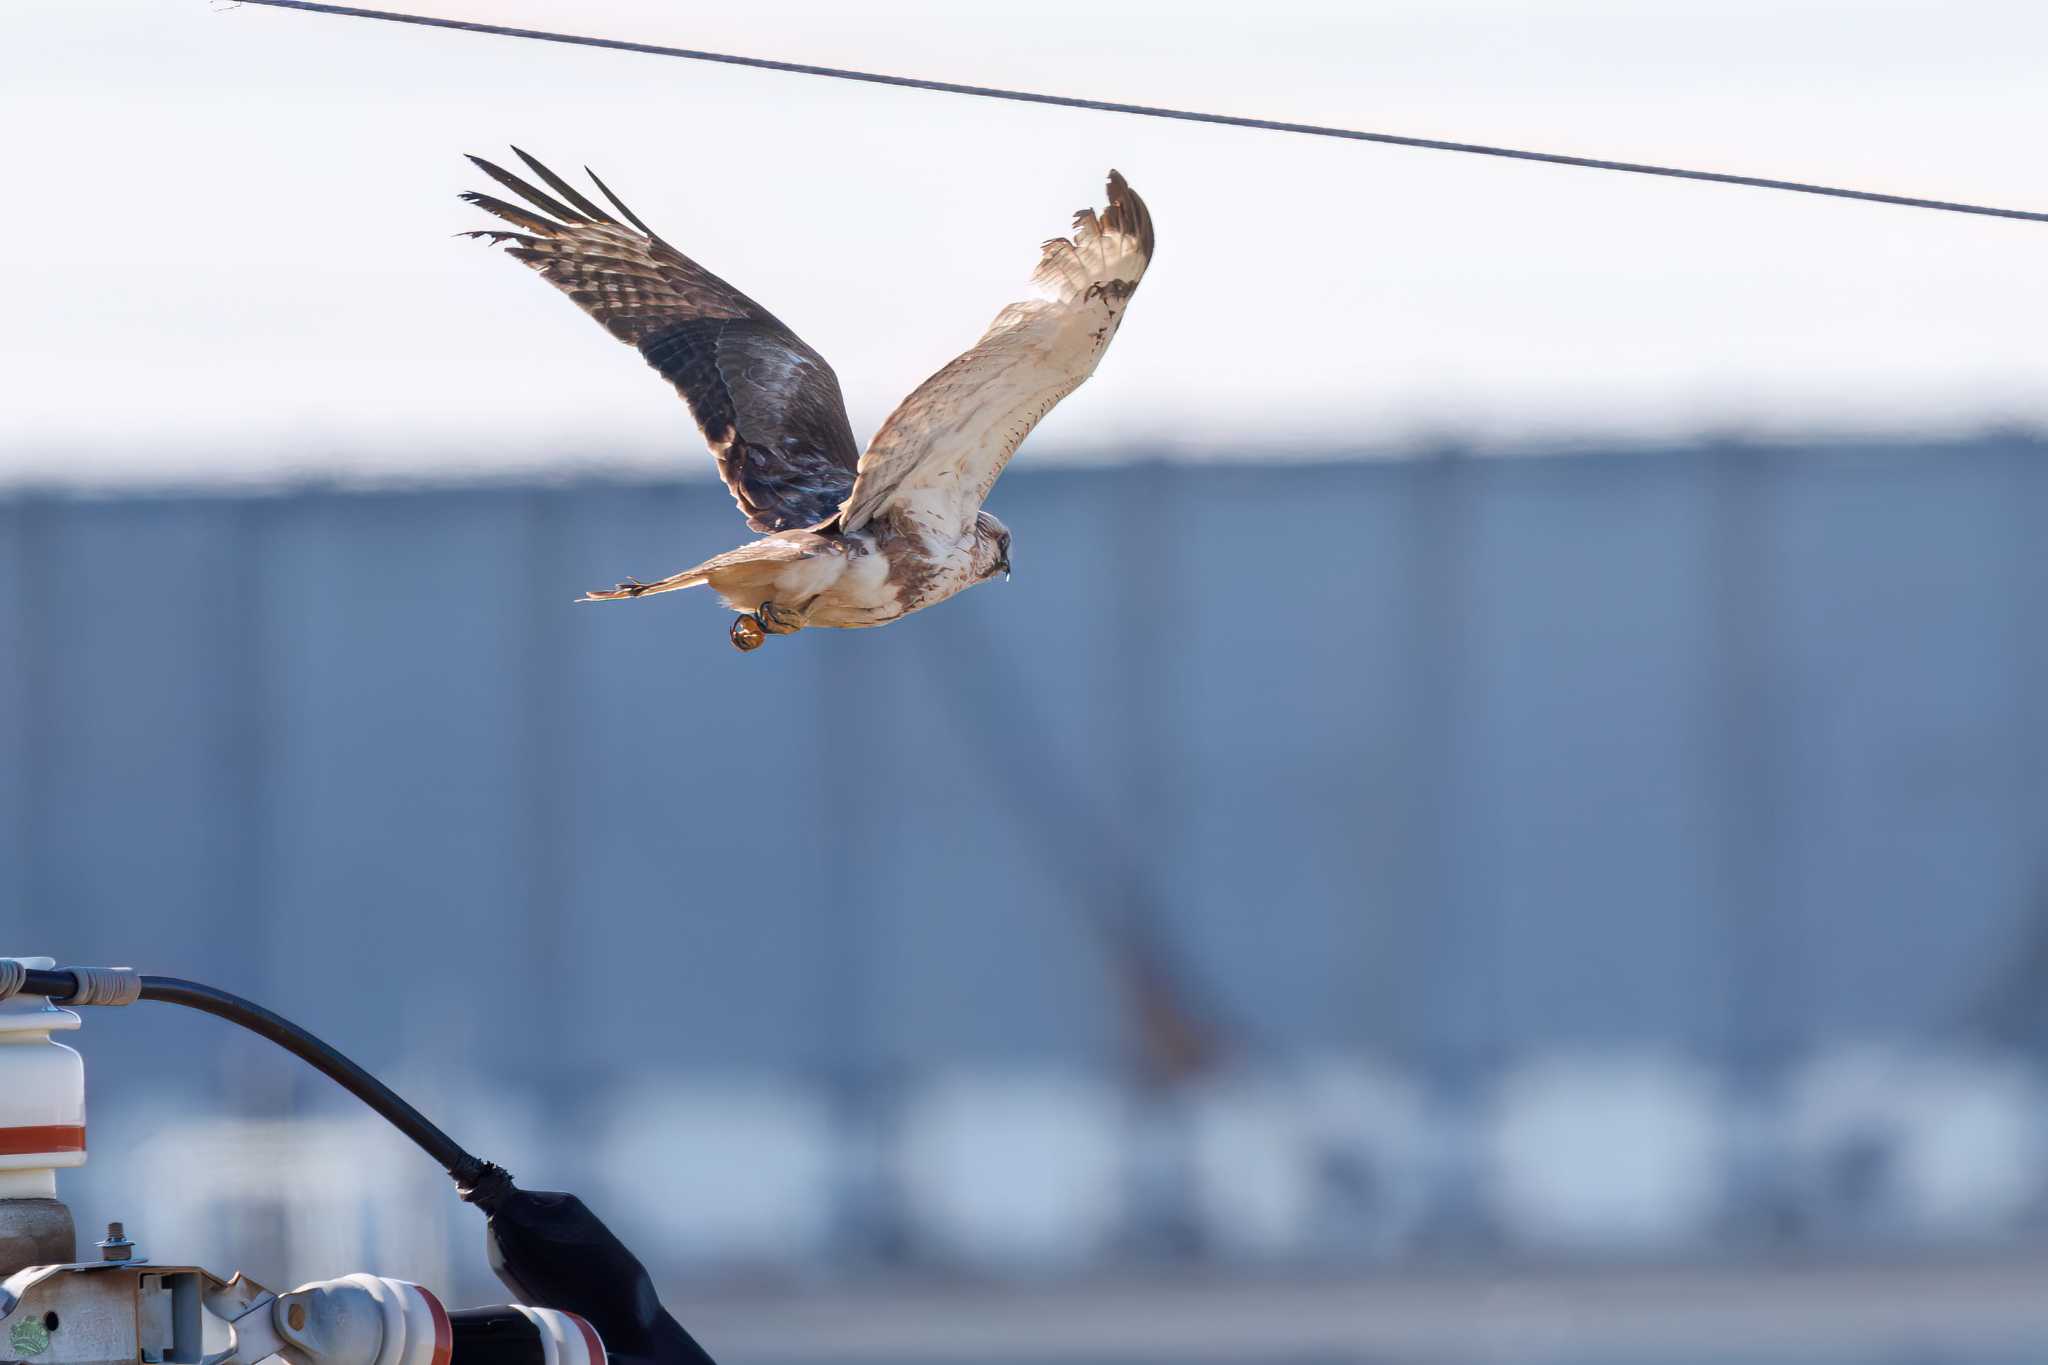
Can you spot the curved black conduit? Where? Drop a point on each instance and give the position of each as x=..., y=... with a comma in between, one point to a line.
x=467, y=1170
x=547, y=1247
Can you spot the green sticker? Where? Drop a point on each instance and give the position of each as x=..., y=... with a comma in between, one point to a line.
x=29, y=1337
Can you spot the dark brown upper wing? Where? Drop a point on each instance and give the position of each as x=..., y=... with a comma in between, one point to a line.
x=768, y=404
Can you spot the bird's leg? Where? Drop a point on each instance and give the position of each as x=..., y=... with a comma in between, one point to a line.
x=780, y=620
x=752, y=629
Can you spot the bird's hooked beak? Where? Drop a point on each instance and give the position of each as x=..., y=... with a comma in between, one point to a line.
x=1004, y=565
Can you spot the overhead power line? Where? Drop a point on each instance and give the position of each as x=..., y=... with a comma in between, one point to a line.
x=1154, y=111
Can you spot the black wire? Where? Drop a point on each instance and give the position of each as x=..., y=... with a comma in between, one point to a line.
x=1153, y=111
x=58, y=986
x=468, y=1171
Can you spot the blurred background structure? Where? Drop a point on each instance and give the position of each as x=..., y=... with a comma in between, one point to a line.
x=1431, y=867
x=1537, y=857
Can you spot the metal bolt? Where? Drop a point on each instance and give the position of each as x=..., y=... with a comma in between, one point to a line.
x=116, y=1246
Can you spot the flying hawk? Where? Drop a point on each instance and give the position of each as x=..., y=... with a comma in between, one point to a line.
x=851, y=539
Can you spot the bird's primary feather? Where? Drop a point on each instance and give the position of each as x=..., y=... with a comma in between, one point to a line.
x=768, y=405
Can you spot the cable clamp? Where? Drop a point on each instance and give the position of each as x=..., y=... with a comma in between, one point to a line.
x=104, y=985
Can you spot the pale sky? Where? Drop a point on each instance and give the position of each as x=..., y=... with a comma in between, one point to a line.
x=231, y=227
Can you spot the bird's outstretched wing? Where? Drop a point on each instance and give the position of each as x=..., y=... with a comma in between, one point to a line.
x=768, y=404
x=945, y=444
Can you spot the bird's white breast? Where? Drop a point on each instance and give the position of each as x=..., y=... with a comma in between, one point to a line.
x=851, y=587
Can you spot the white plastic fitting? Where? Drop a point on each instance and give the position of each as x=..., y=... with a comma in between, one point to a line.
x=565, y=1338
x=370, y=1320
x=363, y=1320
x=42, y=1095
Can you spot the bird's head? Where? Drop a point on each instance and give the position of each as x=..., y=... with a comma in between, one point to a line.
x=991, y=547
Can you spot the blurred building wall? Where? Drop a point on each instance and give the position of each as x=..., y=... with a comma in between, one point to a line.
x=1730, y=755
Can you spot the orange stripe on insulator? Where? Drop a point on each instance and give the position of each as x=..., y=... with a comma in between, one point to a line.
x=444, y=1333
x=49, y=1137
x=590, y=1340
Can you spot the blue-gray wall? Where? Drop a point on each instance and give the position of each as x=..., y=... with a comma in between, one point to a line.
x=1735, y=749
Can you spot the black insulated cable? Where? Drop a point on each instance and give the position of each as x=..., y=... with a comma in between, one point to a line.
x=1154, y=111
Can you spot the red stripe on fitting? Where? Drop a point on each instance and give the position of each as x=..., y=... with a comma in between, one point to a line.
x=444, y=1334
x=590, y=1340
x=49, y=1137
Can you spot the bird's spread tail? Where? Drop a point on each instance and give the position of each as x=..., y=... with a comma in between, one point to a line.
x=633, y=587
x=746, y=571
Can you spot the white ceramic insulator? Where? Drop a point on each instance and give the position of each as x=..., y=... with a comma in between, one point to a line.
x=42, y=1094
x=565, y=1338
x=365, y=1320
x=416, y=1330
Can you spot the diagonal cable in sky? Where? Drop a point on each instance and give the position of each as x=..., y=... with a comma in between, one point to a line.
x=1154, y=111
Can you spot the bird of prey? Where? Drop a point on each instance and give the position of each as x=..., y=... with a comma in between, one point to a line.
x=850, y=538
